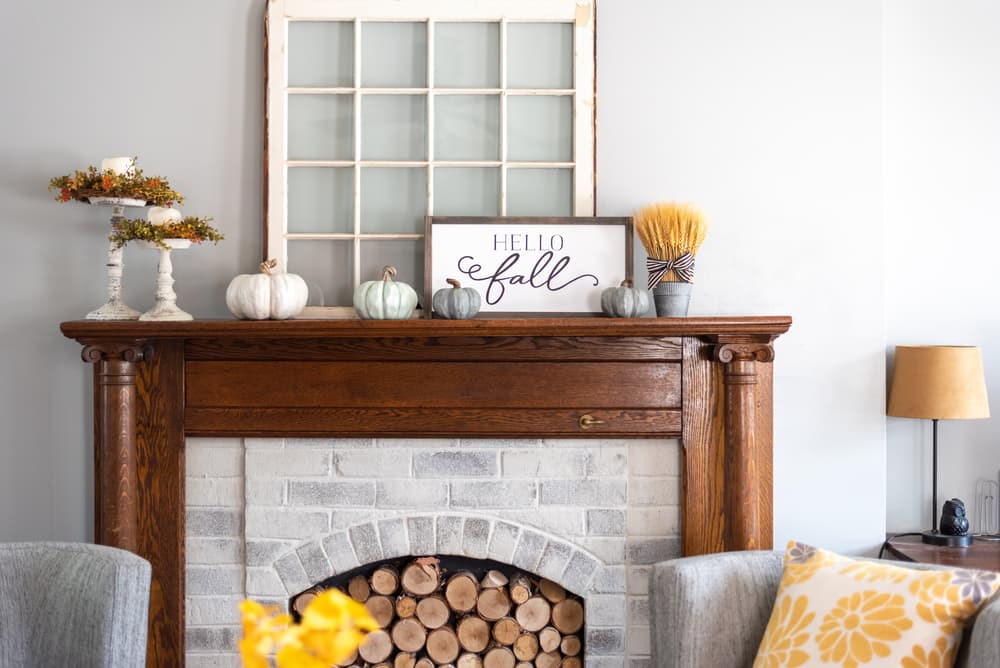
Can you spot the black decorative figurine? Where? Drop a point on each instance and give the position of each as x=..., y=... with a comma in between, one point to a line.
x=953, y=520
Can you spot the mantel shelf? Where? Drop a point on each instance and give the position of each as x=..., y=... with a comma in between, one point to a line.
x=704, y=326
x=705, y=380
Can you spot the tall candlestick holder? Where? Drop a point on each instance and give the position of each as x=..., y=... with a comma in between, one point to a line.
x=165, y=307
x=115, y=308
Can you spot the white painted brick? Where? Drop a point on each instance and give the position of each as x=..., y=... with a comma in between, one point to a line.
x=344, y=519
x=421, y=535
x=609, y=550
x=638, y=640
x=411, y=494
x=638, y=580
x=456, y=464
x=327, y=444
x=449, y=534
x=606, y=661
x=653, y=521
x=654, y=458
x=606, y=522
x=214, y=522
x=339, y=551
x=327, y=494
x=292, y=574
x=288, y=463
x=371, y=463
x=416, y=443
x=607, y=462
x=213, y=462
x=544, y=463
x=275, y=523
x=265, y=492
x=475, y=537
x=392, y=536
x=266, y=552
x=494, y=494
x=654, y=491
x=214, y=660
x=605, y=641
x=213, y=550
x=653, y=550
x=564, y=522
x=213, y=610
x=211, y=580
x=638, y=610
x=603, y=493
x=224, y=492
x=364, y=539
x=610, y=580
x=264, y=582
x=212, y=638
x=264, y=443
x=605, y=610
x=555, y=556
x=503, y=541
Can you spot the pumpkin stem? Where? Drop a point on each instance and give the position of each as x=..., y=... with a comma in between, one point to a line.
x=627, y=283
x=453, y=283
x=388, y=272
x=268, y=265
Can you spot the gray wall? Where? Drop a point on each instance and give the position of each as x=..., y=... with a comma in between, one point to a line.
x=178, y=84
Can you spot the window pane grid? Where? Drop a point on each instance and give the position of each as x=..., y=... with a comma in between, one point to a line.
x=431, y=92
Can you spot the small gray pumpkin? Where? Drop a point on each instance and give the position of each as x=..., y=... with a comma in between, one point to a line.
x=625, y=301
x=456, y=302
x=386, y=299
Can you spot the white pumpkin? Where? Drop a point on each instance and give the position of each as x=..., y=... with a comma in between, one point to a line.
x=163, y=215
x=269, y=294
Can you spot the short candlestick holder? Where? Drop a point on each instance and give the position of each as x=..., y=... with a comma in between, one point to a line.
x=115, y=308
x=165, y=307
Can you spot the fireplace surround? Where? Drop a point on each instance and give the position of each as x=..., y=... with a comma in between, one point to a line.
x=706, y=381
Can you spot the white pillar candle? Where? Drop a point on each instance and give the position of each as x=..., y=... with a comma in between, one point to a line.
x=163, y=215
x=118, y=165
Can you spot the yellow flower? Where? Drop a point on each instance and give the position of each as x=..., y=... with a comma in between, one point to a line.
x=333, y=625
x=859, y=627
x=939, y=656
x=785, y=635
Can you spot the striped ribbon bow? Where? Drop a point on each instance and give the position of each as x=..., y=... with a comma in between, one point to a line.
x=683, y=266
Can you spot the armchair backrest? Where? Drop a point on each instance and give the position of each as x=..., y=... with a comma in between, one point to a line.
x=712, y=610
x=72, y=604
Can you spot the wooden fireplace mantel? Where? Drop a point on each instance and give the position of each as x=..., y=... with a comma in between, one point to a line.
x=705, y=380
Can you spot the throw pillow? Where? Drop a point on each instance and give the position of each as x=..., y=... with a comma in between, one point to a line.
x=835, y=611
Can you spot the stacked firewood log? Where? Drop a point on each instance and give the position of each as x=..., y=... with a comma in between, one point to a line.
x=462, y=619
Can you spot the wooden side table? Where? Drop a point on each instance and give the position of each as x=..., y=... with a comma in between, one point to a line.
x=981, y=554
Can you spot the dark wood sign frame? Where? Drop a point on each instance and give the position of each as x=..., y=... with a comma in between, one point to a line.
x=707, y=381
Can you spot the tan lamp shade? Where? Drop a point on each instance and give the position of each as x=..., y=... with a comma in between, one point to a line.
x=938, y=382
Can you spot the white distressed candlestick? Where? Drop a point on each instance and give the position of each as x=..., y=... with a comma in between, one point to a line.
x=166, y=307
x=121, y=166
x=115, y=308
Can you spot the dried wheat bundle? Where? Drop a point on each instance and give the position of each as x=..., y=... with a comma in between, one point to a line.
x=671, y=234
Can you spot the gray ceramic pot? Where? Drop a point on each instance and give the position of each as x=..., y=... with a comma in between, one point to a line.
x=671, y=298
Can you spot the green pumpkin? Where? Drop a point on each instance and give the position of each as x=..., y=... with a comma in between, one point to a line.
x=386, y=299
x=456, y=302
x=625, y=301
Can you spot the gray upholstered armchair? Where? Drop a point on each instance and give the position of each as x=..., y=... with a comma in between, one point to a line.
x=712, y=610
x=72, y=604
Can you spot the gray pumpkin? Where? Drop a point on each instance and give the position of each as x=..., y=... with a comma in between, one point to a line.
x=386, y=299
x=456, y=302
x=625, y=301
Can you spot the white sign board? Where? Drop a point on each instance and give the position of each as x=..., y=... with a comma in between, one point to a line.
x=530, y=265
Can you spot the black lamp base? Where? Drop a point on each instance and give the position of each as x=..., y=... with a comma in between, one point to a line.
x=936, y=538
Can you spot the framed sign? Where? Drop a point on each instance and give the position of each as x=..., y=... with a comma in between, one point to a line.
x=528, y=265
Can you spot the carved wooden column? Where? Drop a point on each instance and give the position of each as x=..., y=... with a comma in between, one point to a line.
x=116, y=476
x=743, y=479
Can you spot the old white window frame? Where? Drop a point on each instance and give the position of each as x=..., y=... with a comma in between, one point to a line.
x=579, y=13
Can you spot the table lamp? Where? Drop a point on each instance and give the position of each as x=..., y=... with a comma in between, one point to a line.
x=938, y=383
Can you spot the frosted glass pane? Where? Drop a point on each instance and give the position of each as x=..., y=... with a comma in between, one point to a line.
x=540, y=55
x=320, y=199
x=539, y=192
x=406, y=255
x=327, y=266
x=466, y=191
x=394, y=127
x=467, y=127
x=393, y=200
x=321, y=53
x=394, y=55
x=540, y=128
x=467, y=55
x=320, y=127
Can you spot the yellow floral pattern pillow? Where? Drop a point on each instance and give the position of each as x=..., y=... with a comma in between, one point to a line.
x=834, y=611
